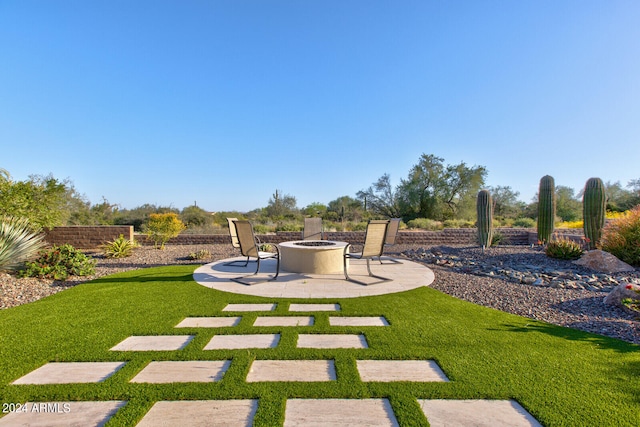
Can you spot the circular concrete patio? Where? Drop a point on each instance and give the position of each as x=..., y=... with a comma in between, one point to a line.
x=404, y=275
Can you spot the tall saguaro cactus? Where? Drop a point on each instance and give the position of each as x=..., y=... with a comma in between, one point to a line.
x=484, y=207
x=546, y=208
x=593, y=211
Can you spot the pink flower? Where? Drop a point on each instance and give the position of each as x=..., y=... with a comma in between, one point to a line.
x=629, y=286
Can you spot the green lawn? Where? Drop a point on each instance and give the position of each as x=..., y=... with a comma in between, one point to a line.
x=561, y=376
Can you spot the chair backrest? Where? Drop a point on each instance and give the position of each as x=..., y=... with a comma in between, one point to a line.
x=233, y=233
x=374, y=238
x=312, y=229
x=392, y=231
x=246, y=238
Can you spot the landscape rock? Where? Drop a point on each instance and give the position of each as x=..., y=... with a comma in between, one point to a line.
x=622, y=291
x=603, y=261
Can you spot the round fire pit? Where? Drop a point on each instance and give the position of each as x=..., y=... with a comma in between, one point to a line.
x=312, y=256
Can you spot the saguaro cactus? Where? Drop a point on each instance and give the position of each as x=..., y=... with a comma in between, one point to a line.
x=546, y=208
x=484, y=207
x=593, y=211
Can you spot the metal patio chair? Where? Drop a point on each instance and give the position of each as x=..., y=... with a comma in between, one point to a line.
x=373, y=247
x=392, y=234
x=249, y=247
x=236, y=244
x=312, y=229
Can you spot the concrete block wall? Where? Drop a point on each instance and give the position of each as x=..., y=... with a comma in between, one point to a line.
x=87, y=237
x=90, y=237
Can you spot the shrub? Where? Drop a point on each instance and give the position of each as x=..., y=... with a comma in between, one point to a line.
x=425, y=224
x=262, y=229
x=499, y=239
x=621, y=237
x=162, y=227
x=524, y=222
x=18, y=243
x=201, y=254
x=562, y=248
x=459, y=223
x=119, y=248
x=571, y=224
x=289, y=226
x=58, y=263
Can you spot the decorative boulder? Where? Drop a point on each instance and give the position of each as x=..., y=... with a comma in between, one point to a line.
x=603, y=262
x=623, y=291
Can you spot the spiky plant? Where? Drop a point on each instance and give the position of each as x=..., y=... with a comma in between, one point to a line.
x=18, y=242
x=593, y=211
x=484, y=208
x=546, y=208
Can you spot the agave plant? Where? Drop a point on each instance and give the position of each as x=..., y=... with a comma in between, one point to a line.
x=18, y=243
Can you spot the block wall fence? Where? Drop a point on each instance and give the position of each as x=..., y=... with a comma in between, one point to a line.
x=91, y=237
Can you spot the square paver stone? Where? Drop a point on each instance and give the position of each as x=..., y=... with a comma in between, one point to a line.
x=358, y=321
x=53, y=414
x=292, y=370
x=209, y=322
x=339, y=413
x=200, y=413
x=284, y=321
x=243, y=341
x=481, y=413
x=71, y=372
x=332, y=341
x=196, y=371
x=400, y=370
x=250, y=307
x=153, y=343
x=314, y=307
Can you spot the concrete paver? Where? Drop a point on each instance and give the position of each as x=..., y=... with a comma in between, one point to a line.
x=196, y=371
x=339, y=413
x=201, y=413
x=358, y=321
x=284, y=321
x=314, y=307
x=243, y=341
x=332, y=341
x=292, y=370
x=250, y=307
x=400, y=370
x=209, y=322
x=480, y=413
x=71, y=372
x=63, y=414
x=153, y=343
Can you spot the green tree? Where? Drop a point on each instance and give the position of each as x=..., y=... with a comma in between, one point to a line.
x=345, y=208
x=438, y=191
x=281, y=206
x=195, y=217
x=619, y=199
x=163, y=226
x=314, y=209
x=41, y=199
x=381, y=198
x=505, y=202
x=568, y=207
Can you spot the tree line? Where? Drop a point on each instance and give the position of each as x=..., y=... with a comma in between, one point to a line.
x=432, y=189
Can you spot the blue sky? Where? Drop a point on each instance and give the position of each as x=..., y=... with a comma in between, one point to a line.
x=223, y=102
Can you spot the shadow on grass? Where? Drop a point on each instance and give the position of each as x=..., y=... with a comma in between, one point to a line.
x=577, y=335
x=144, y=278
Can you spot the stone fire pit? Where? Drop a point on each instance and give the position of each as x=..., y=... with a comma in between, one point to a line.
x=312, y=256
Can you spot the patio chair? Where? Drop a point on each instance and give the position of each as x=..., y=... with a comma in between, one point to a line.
x=392, y=233
x=373, y=247
x=249, y=247
x=312, y=229
x=234, y=242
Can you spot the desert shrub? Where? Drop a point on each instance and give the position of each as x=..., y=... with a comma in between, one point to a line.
x=497, y=238
x=563, y=248
x=262, y=229
x=621, y=237
x=459, y=223
x=357, y=226
x=201, y=254
x=162, y=227
x=58, y=263
x=18, y=243
x=524, y=222
x=289, y=226
x=119, y=248
x=425, y=224
x=570, y=224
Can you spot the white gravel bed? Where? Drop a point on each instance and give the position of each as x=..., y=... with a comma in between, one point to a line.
x=576, y=308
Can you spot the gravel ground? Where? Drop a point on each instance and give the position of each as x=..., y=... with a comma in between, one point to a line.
x=576, y=308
